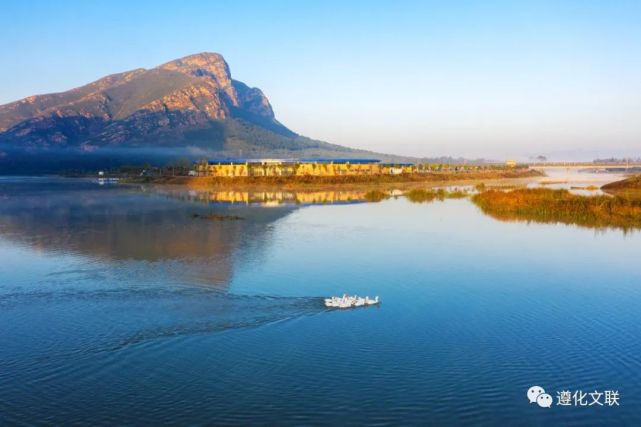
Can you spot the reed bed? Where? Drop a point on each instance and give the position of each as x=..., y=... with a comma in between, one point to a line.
x=560, y=206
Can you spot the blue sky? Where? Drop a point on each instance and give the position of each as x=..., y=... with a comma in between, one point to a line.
x=492, y=79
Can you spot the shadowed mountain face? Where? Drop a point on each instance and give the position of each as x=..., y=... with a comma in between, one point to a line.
x=190, y=107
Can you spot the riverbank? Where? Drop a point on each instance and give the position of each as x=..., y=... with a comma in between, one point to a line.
x=297, y=182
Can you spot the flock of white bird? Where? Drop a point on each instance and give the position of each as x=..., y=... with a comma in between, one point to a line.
x=347, y=301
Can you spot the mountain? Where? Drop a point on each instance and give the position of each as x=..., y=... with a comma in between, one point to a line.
x=187, y=108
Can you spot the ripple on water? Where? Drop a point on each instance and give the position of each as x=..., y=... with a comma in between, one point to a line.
x=105, y=334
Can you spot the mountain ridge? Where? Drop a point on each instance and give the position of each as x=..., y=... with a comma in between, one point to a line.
x=188, y=107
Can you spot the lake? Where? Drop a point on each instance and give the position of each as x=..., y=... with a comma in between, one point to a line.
x=126, y=305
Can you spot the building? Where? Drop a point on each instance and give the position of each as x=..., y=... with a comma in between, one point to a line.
x=397, y=168
x=304, y=167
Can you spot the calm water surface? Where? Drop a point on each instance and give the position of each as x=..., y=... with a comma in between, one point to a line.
x=117, y=306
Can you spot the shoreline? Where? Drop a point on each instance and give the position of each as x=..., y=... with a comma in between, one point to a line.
x=315, y=182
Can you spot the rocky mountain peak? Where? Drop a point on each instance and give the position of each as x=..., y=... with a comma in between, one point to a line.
x=207, y=65
x=185, y=100
x=201, y=64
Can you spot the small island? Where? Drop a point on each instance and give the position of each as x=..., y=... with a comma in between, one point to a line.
x=545, y=205
x=632, y=183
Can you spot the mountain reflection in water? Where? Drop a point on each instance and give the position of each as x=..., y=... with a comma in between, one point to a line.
x=126, y=224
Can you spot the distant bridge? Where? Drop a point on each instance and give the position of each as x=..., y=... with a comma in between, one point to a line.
x=583, y=165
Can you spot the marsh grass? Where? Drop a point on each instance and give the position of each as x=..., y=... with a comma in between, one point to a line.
x=421, y=196
x=560, y=206
x=630, y=183
x=426, y=196
x=375, y=196
x=456, y=194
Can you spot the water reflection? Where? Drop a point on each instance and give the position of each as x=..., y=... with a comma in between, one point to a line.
x=586, y=182
x=125, y=224
x=280, y=197
x=474, y=311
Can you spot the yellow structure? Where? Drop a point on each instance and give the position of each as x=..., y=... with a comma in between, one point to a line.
x=315, y=167
x=281, y=197
x=397, y=169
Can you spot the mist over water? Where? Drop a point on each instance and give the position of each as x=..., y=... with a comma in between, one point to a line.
x=118, y=306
